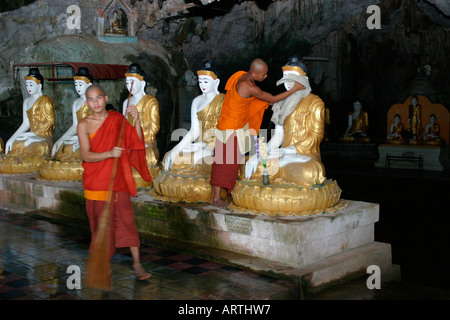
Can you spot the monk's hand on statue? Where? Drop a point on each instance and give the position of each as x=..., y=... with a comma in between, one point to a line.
x=298, y=86
x=116, y=152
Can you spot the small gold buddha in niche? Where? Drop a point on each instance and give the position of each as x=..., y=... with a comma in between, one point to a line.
x=357, y=125
x=188, y=164
x=395, y=135
x=148, y=108
x=432, y=132
x=33, y=140
x=115, y=25
x=414, y=124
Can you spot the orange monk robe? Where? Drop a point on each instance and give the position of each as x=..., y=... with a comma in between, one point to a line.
x=97, y=175
x=238, y=114
x=238, y=111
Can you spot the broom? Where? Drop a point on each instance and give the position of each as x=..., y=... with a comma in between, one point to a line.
x=98, y=266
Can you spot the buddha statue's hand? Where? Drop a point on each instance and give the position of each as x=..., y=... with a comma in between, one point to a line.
x=56, y=147
x=168, y=161
x=251, y=166
x=202, y=152
x=8, y=146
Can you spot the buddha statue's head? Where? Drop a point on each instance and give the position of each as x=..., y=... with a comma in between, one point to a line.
x=34, y=81
x=414, y=100
x=397, y=119
x=357, y=106
x=433, y=119
x=208, y=79
x=296, y=66
x=82, y=80
x=137, y=76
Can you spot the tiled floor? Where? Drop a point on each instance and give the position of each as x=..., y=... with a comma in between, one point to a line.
x=35, y=255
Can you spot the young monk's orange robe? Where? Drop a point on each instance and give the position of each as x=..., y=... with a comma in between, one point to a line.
x=97, y=176
x=236, y=113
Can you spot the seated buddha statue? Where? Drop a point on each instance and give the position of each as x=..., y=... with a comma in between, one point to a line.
x=148, y=108
x=32, y=142
x=187, y=167
x=358, y=125
x=432, y=132
x=414, y=120
x=296, y=173
x=115, y=25
x=395, y=135
x=66, y=157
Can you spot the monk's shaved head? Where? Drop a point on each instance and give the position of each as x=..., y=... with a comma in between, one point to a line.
x=95, y=87
x=258, y=65
x=258, y=69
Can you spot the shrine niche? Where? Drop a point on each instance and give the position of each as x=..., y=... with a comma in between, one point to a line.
x=116, y=22
x=417, y=136
x=415, y=118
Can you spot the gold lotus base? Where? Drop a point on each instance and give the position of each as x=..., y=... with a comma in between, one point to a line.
x=57, y=170
x=286, y=200
x=176, y=188
x=20, y=164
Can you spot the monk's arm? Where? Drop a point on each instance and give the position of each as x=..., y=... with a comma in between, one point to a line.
x=85, y=146
x=265, y=96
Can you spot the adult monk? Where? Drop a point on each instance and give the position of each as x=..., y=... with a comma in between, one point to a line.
x=98, y=134
x=242, y=113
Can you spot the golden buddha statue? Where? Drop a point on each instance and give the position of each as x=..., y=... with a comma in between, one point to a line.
x=66, y=162
x=187, y=167
x=395, y=135
x=358, y=125
x=432, y=132
x=414, y=120
x=148, y=108
x=26, y=150
x=297, y=176
x=115, y=25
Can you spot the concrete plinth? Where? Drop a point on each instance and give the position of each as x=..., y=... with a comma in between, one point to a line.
x=316, y=250
x=434, y=158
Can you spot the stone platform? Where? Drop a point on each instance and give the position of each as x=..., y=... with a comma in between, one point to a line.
x=316, y=251
x=435, y=158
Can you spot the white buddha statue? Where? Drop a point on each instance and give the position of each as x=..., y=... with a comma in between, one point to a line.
x=293, y=162
x=191, y=144
x=82, y=81
x=33, y=140
x=66, y=162
x=357, y=125
x=148, y=108
x=187, y=167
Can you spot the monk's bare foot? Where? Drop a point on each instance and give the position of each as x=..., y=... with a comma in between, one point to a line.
x=220, y=203
x=141, y=274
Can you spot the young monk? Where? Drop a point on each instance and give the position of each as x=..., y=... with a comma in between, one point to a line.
x=243, y=109
x=98, y=134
